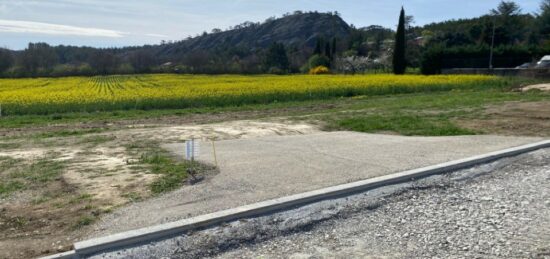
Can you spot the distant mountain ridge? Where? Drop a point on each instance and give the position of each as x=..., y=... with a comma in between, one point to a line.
x=241, y=49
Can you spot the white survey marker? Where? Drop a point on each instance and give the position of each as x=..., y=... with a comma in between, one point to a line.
x=192, y=149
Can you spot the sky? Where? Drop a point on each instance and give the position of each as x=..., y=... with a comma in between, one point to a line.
x=116, y=23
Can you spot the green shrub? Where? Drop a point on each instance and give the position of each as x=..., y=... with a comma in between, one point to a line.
x=430, y=63
x=317, y=61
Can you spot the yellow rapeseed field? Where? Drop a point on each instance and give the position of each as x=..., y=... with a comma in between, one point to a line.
x=107, y=93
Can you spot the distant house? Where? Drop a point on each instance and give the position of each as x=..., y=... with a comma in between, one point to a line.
x=419, y=41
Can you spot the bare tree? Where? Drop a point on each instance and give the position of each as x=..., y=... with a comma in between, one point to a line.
x=142, y=60
x=103, y=62
x=197, y=60
x=38, y=56
x=409, y=21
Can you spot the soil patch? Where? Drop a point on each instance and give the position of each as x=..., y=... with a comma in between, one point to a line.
x=541, y=87
x=45, y=220
x=171, y=120
x=513, y=119
x=101, y=171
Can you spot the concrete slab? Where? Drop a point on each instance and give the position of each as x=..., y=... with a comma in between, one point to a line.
x=294, y=164
x=259, y=169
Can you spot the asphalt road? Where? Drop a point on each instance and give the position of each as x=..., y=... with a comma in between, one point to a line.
x=258, y=169
x=496, y=210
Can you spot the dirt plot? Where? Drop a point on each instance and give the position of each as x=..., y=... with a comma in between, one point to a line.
x=513, y=118
x=173, y=120
x=97, y=173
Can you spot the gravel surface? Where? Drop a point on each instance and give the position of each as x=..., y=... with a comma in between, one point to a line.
x=263, y=168
x=496, y=210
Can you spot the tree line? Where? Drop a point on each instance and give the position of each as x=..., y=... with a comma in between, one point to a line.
x=517, y=37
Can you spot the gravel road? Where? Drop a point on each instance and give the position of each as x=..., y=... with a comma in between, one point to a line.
x=496, y=210
x=263, y=168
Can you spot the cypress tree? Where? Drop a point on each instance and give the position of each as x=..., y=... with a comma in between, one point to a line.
x=333, y=51
x=318, y=50
x=328, y=50
x=399, y=62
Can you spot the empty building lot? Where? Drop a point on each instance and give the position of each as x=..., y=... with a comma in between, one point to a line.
x=258, y=169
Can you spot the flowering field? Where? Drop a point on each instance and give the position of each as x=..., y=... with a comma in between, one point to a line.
x=108, y=93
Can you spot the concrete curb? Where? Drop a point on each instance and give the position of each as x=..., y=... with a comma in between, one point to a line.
x=148, y=234
x=65, y=255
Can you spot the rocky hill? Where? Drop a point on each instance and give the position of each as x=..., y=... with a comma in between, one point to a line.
x=299, y=29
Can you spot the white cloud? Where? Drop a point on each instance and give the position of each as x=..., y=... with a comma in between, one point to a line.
x=156, y=35
x=55, y=29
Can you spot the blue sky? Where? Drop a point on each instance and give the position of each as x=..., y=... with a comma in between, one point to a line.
x=110, y=23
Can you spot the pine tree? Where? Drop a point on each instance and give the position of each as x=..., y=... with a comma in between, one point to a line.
x=399, y=62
